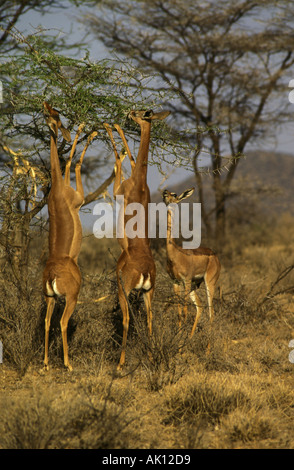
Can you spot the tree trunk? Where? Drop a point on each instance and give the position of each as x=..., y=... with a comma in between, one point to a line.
x=220, y=211
x=220, y=219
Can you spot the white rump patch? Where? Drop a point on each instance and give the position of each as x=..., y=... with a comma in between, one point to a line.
x=55, y=288
x=49, y=291
x=140, y=283
x=146, y=285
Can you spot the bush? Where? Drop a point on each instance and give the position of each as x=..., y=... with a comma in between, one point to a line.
x=73, y=420
x=209, y=399
x=20, y=321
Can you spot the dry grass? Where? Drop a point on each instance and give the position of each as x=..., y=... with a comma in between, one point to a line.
x=238, y=396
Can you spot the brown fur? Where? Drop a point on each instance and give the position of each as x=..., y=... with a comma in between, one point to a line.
x=136, y=258
x=189, y=267
x=61, y=275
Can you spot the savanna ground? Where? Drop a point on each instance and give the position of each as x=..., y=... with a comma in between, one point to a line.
x=241, y=395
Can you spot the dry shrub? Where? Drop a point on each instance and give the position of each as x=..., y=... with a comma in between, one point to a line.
x=209, y=398
x=94, y=329
x=249, y=425
x=72, y=420
x=243, y=305
x=162, y=365
x=244, y=409
x=268, y=419
x=20, y=321
x=28, y=424
x=160, y=355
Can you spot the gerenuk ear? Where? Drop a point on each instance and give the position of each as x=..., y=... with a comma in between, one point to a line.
x=186, y=194
x=161, y=115
x=65, y=133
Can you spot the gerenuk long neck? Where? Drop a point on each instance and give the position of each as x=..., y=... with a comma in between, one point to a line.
x=171, y=246
x=56, y=174
x=140, y=171
x=61, y=224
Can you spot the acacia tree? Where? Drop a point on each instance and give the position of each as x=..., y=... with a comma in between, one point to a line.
x=16, y=185
x=83, y=91
x=226, y=61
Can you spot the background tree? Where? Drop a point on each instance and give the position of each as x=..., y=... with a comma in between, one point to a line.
x=11, y=11
x=226, y=61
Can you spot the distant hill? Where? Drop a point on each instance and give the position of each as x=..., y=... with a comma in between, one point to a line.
x=274, y=171
x=263, y=178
